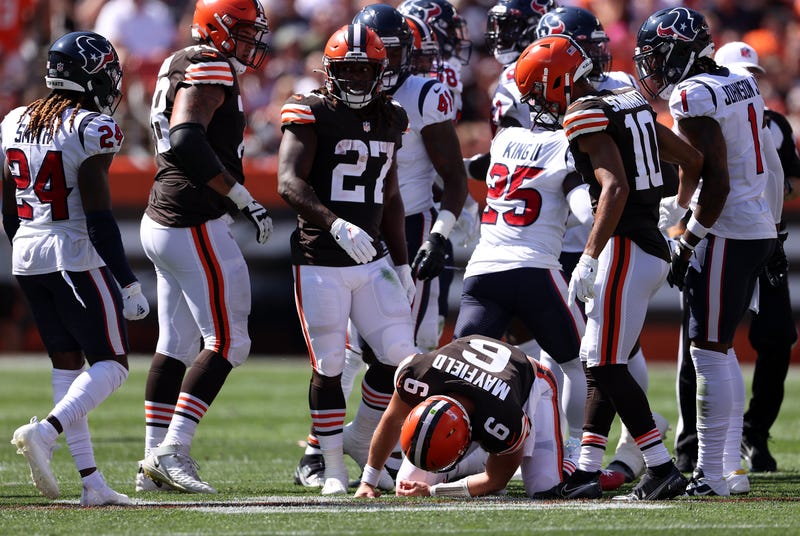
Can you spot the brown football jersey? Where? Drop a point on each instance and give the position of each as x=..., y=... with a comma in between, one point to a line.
x=497, y=377
x=355, y=149
x=626, y=116
x=177, y=200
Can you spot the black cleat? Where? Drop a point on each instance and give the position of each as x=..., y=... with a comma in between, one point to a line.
x=653, y=488
x=581, y=485
x=756, y=454
x=310, y=472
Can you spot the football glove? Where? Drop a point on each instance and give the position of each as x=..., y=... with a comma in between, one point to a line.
x=134, y=304
x=354, y=240
x=581, y=284
x=777, y=267
x=430, y=259
x=259, y=217
x=669, y=212
x=409, y=287
x=679, y=265
x=469, y=222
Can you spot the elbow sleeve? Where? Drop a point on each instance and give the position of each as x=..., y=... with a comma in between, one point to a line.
x=195, y=155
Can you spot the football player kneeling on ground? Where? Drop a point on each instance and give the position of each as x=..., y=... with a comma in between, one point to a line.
x=473, y=392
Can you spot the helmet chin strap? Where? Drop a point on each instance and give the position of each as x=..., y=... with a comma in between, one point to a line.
x=238, y=66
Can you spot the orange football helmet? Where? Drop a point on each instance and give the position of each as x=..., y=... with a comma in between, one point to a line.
x=545, y=74
x=237, y=28
x=353, y=48
x=436, y=434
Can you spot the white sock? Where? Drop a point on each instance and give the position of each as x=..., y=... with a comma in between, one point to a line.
x=733, y=439
x=573, y=397
x=352, y=366
x=88, y=390
x=157, y=418
x=188, y=412
x=79, y=440
x=333, y=453
x=714, y=400
x=363, y=425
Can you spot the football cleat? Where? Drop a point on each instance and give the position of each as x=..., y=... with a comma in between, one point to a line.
x=581, y=485
x=700, y=486
x=611, y=480
x=756, y=455
x=654, y=488
x=143, y=482
x=738, y=483
x=310, y=472
x=335, y=484
x=168, y=465
x=103, y=496
x=38, y=451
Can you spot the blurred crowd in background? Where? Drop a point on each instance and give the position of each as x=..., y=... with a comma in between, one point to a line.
x=145, y=31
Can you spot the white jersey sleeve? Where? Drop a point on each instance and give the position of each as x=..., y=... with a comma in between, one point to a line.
x=732, y=99
x=506, y=103
x=52, y=234
x=526, y=208
x=427, y=102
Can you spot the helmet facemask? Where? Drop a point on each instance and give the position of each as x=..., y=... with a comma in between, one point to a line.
x=107, y=88
x=355, y=91
x=507, y=35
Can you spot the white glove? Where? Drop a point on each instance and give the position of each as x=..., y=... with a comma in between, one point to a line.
x=469, y=221
x=581, y=284
x=259, y=217
x=354, y=240
x=404, y=273
x=134, y=304
x=669, y=212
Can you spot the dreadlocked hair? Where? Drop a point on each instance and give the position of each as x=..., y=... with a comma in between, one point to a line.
x=46, y=113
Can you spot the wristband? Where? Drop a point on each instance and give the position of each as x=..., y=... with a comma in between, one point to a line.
x=444, y=223
x=370, y=476
x=696, y=228
x=686, y=244
x=240, y=196
x=458, y=488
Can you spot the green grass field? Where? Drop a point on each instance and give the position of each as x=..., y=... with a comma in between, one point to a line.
x=247, y=446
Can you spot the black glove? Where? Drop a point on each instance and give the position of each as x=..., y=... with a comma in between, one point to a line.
x=430, y=259
x=679, y=265
x=777, y=266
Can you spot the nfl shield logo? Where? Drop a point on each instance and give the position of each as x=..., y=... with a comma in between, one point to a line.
x=366, y=126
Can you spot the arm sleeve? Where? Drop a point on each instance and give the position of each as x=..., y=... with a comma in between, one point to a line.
x=105, y=237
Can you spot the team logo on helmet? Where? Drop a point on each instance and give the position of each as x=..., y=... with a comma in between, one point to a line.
x=96, y=53
x=540, y=6
x=683, y=27
x=429, y=10
x=551, y=25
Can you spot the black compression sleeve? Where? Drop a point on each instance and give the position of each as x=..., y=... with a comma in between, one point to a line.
x=190, y=146
x=105, y=237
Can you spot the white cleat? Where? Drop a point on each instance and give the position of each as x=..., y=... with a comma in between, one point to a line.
x=30, y=443
x=103, y=496
x=169, y=465
x=145, y=483
x=335, y=486
x=738, y=483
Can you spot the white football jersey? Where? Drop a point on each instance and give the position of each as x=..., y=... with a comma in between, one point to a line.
x=506, y=100
x=526, y=210
x=734, y=101
x=451, y=77
x=52, y=235
x=427, y=102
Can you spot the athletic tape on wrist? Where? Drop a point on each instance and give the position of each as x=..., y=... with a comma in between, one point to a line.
x=696, y=228
x=458, y=488
x=370, y=476
x=686, y=244
x=240, y=196
x=444, y=223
